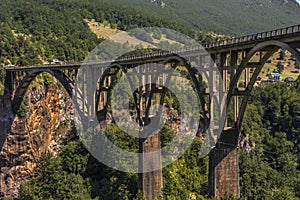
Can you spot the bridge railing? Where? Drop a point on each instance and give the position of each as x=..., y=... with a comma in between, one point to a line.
x=231, y=41
x=253, y=37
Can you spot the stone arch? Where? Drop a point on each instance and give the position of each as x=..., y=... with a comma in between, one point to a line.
x=272, y=46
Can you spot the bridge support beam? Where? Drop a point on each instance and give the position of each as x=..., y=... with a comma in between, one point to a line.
x=150, y=183
x=224, y=168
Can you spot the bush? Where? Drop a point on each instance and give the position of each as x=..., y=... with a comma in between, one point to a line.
x=22, y=110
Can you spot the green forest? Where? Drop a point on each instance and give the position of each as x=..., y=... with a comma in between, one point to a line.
x=34, y=31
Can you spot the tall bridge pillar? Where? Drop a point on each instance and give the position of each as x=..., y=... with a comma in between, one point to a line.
x=223, y=166
x=151, y=182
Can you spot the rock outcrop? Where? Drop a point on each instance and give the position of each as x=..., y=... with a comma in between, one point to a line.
x=44, y=127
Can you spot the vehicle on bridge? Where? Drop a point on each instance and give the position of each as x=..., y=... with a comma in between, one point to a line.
x=53, y=62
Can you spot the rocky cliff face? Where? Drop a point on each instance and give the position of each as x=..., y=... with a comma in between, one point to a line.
x=45, y=125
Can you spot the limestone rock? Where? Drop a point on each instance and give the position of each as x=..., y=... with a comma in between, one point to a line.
x=23, y=139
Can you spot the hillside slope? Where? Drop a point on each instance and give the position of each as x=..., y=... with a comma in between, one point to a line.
x=36, y=30
x=230, y=16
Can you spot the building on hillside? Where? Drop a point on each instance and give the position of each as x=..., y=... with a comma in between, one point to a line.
x=274, y=77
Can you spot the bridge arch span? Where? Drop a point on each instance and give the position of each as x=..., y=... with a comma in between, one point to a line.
x=272, y=46
x=108, y=79
x=21, y=90
x=197, y=80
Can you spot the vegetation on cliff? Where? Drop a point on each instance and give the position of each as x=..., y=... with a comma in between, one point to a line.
x=269, y=166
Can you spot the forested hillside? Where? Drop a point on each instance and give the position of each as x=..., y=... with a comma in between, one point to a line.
x=269, y=164
x=228, y=17
x=35, y=31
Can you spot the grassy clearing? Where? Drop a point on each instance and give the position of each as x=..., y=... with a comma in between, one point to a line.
x=117, y=35
x=102, y=31
x=106, y=31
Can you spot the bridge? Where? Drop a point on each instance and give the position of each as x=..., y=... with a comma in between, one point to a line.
x=238, y=61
